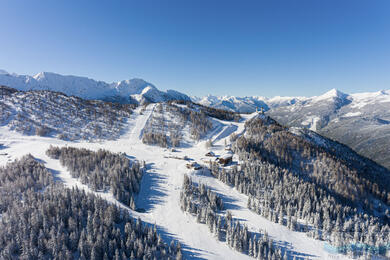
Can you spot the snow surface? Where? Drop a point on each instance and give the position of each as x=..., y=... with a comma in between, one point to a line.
x=362, y=99
x=161, y=185
x=311, y=122
x=352, y=114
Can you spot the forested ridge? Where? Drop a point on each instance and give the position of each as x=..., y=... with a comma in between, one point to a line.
x=336, y=167
x=304, y=186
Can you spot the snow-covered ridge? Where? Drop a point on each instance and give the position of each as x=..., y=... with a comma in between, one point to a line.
x=245, y=104
x=251, y=103
x=133, y=90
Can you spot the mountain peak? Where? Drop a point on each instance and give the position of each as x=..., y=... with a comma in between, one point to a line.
x=41, y=75
x=333, y=93
x=132, y=86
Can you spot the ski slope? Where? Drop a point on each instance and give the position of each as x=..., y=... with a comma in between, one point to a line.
x=161, y=185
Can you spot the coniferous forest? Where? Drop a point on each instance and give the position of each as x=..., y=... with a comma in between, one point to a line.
x=40, y=219
x=102, y=170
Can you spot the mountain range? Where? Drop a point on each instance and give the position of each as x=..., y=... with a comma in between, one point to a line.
x=125, y=91
x=361, y=121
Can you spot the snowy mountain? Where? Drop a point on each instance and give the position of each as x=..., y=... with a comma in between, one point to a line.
x=126, y=91
x=245, y=104
x=360, y=120
x=312, y=112
x=251, y=103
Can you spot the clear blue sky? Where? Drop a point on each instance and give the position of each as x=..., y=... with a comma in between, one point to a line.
x=291, y=47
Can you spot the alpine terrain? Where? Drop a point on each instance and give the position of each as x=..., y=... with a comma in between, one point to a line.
x=359, y=120
x=91, y=170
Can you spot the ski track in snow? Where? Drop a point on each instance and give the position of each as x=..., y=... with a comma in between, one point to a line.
x=161, y=186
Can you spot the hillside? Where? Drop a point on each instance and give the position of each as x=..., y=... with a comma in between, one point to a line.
x=324, y=188
x=48, y=113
